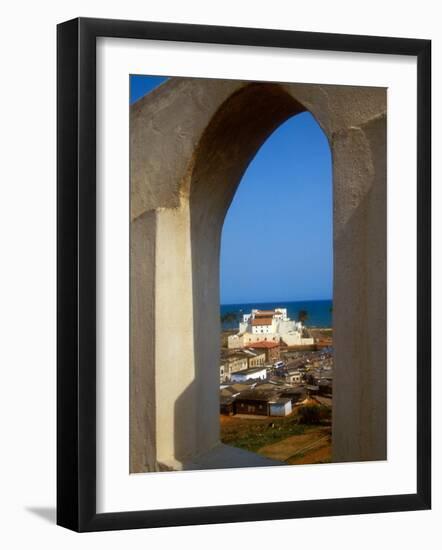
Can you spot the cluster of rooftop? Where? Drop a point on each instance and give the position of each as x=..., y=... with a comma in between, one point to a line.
x=278, y=390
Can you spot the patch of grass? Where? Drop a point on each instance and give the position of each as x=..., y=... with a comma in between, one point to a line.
x=252, y=435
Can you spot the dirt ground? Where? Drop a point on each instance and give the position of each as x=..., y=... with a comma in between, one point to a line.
x=278, y=438
x=298, y=447
x=318, y=455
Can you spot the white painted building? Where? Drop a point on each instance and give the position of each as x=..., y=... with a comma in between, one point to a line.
x=257, y=373
x=294, y=377
x=280, y=407
x=268, y=325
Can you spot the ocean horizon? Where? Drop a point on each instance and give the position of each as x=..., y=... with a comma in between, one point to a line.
x=319, y=312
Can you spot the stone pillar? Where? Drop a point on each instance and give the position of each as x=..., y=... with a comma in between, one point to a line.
x=142, y=344
x=175, y=384
x=359, y=385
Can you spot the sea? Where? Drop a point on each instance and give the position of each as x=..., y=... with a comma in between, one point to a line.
x=319, y=312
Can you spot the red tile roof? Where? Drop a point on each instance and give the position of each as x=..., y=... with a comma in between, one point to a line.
x=263, y=345
x=262, y=321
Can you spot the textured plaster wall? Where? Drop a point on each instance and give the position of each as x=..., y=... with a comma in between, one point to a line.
x=360, y=203
x=191, y=141
x=142, y=344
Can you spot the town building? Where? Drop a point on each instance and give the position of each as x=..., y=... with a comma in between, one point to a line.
x=238, y=360
x=294, y=376
x=262, y=403
x=226, y=405
x=325, y=386
x=282, y=406
x=274, y=385
x=231, y=362
x=268, y=326
x=255, y=357
x=227, y=400
x=296, y=394
x=257, y=373
x=272, y=350
x=264, y=398
x=255, y=402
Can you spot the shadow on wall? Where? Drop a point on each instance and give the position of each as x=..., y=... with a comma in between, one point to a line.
x=185, y=435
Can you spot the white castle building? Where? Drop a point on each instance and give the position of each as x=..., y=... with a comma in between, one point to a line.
x=268, y=325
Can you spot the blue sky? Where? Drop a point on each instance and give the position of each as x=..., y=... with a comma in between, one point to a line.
x=141, y=85
x=277, y=242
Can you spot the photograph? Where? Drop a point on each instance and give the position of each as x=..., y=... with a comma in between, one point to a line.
x=239, y=369
x=244, y=216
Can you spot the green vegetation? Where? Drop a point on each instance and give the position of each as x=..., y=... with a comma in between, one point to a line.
x=251, y=435
x=303, y=315
x=229, y=317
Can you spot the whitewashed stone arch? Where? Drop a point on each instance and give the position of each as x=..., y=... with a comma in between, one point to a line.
x=191, y=141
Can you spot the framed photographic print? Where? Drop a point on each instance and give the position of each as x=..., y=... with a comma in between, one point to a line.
x=243, y=274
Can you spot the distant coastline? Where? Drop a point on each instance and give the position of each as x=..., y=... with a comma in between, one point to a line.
x=319, y=311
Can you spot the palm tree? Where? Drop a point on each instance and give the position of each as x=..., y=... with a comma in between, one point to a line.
x=302, y=315
x=229, y=317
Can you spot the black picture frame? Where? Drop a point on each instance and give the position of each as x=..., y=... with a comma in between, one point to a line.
x=76, y=274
